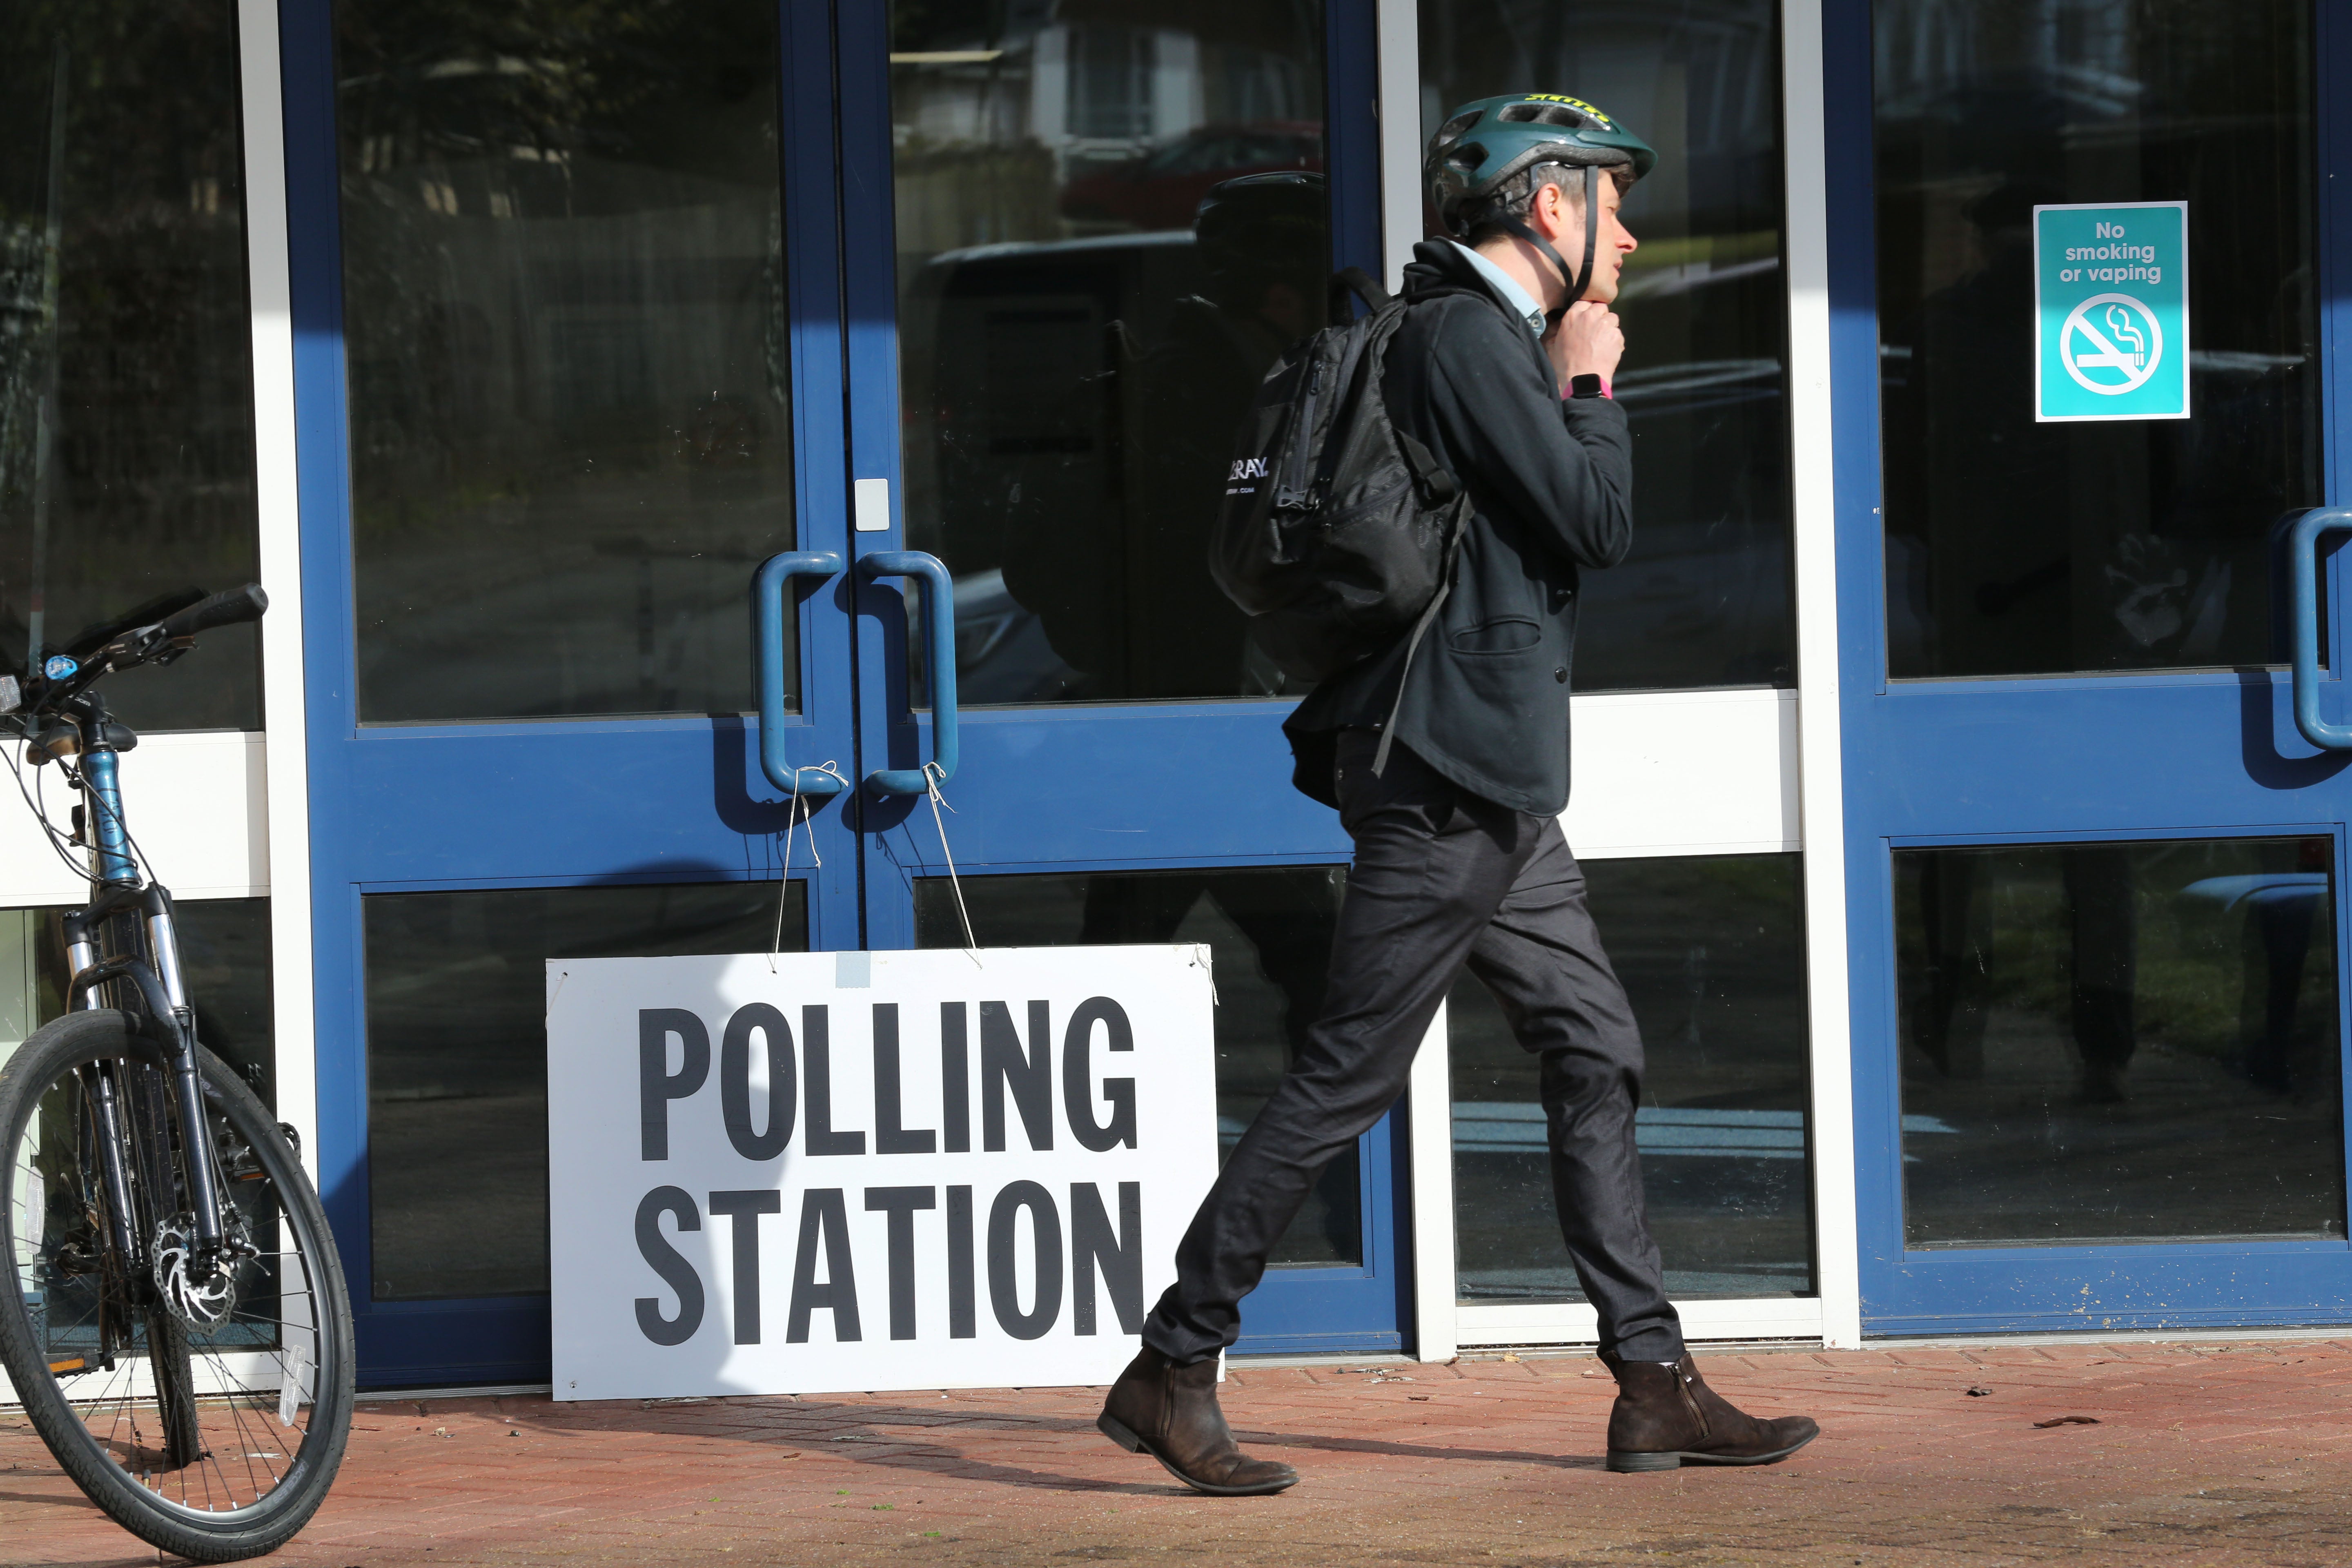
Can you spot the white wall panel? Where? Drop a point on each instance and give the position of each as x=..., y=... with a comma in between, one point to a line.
x=1572, y=1322
x=276, y=493
x=197, y=804
x=1813, y=490
x=1682, y=773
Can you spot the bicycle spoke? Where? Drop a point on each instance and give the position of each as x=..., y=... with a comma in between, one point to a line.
x=108, y=1351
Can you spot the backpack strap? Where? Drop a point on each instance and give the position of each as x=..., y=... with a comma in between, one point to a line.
x=1361, y=284
x=1454, y=537
x=1439, y=486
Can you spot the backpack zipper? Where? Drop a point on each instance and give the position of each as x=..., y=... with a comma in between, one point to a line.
x=1293, y=493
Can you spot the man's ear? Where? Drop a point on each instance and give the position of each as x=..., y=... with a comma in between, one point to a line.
x=1559, y=211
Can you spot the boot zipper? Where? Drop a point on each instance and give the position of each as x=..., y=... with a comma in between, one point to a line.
x=1682, y=1382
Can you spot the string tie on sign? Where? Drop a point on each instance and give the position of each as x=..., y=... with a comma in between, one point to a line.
x=792, y=814
x=932, y=775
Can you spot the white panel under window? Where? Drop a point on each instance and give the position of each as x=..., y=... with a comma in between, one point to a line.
x=1682, y=773
x=196, y=803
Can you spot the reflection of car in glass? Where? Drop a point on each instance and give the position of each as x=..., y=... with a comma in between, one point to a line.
x=1015, y=421
x=1020, y=438
x=1162, y=188
x=1001, y=654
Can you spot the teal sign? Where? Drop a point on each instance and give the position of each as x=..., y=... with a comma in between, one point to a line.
x=2111, y=311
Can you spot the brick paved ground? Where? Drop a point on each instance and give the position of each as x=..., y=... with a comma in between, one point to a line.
x=2215, y=1454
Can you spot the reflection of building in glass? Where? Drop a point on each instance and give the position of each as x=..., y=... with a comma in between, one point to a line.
x=1149, y=117
x=1094, y=92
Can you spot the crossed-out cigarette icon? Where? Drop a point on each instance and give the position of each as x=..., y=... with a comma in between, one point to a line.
x=2110, y=357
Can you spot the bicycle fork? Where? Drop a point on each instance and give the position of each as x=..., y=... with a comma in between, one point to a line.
x=165, y=1006
x=163, y=995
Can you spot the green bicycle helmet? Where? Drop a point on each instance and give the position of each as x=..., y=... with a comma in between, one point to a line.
x=1484, y=143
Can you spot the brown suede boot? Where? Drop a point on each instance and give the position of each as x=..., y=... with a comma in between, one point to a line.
x=1666, y=1416
x=1170, y=1413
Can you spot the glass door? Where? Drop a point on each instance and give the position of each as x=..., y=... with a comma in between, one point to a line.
x=2095, y=867
x=568, y=373
x=1077, y=238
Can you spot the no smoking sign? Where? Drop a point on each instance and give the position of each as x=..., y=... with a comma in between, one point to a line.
x=2111, y=311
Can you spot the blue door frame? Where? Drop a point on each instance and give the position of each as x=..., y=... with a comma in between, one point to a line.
x=2059, y=759
x=1172, y=784
x=553, y=804
x=583, y=803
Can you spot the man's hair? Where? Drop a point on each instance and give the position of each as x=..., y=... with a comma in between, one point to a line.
x=1482, y=216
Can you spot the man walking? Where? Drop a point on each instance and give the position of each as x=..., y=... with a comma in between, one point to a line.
x=1503, y=372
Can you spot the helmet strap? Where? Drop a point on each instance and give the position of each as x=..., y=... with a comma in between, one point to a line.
x=1577, y=281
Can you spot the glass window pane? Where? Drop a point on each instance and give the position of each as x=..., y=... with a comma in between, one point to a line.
x=1711, y=955
x=29, y=993
x=1269, y=934
x=1704, y=599
x=2015, y=547
x=223, y=959
x=2119, y=1042
x=1073, y=356
x=568, y=377
x=457, y=1050
x=126, y=342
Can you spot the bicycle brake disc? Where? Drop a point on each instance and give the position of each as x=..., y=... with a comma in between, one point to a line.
x=201, y=1295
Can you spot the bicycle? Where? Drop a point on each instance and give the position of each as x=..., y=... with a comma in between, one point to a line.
x=176, y=1324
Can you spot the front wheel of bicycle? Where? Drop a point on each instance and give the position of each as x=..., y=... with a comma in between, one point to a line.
x=204, y=1405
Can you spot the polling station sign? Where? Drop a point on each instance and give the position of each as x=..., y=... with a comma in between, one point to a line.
x=2111, y=311
x=817, y=1173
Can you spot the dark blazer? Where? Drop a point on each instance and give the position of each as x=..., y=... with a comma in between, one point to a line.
x=1550, y=480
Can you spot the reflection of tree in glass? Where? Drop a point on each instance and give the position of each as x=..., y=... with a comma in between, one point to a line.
x=147, y=482
x=569, y=362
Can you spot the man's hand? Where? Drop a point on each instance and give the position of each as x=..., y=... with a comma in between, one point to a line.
x=1586, y=340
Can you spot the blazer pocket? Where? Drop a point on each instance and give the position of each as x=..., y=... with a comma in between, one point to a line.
x=1510, y=634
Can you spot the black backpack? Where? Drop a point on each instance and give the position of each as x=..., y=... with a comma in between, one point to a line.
x=1338, y=531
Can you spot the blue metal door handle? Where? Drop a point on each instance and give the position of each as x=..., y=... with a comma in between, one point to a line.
x=2303, y=573
x=768, y=594
x=939, y=647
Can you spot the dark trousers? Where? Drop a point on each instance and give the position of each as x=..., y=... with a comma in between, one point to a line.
x=1443, y=878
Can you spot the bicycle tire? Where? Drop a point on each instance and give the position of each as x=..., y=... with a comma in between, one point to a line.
x=175, y=1386
x=168, y=1355
x=272, y=1194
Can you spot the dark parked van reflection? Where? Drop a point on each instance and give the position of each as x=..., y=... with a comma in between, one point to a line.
x=1051, y=489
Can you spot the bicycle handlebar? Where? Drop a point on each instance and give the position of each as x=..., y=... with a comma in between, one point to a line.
x=224, y=609
x=161, y=643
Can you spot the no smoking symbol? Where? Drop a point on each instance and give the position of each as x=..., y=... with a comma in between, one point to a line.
x=2111, y=333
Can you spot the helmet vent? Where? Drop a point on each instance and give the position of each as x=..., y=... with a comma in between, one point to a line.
x=1545, y=114
x=1455, y=129
x=1467, y=156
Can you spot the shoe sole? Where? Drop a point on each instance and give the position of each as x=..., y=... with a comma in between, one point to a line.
x=1117, y=1432
x=1636, y=1463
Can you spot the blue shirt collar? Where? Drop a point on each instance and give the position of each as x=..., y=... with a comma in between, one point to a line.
x=1507, y=287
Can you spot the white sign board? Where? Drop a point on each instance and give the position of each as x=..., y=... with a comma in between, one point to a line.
x=822, y=1172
